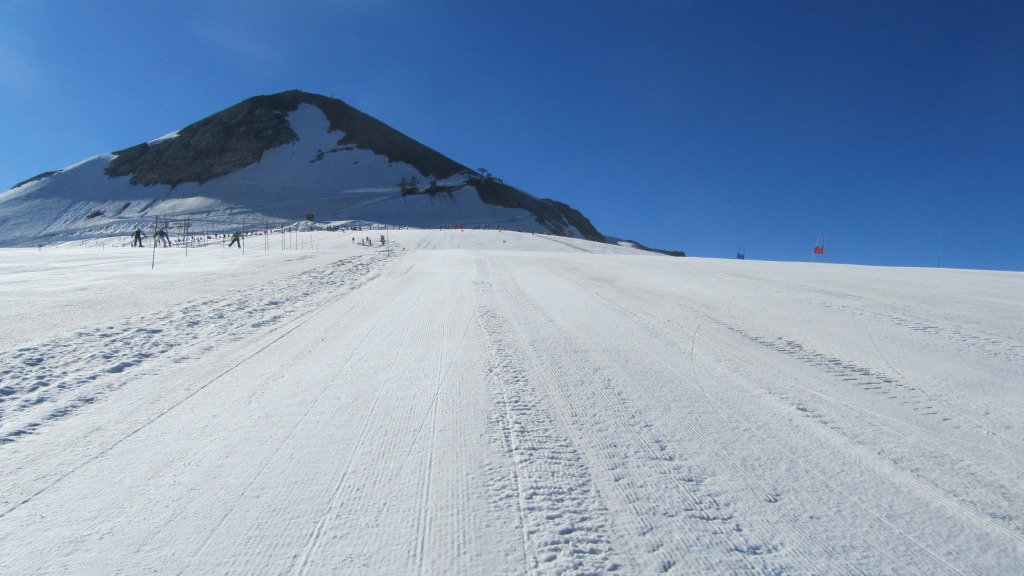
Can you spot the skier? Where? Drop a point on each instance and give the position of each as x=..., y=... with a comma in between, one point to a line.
x=236, y=238
x=137, y=238
x=381, y=239
x=163, y=239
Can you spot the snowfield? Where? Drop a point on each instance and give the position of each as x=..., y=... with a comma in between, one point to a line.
x=486, y=402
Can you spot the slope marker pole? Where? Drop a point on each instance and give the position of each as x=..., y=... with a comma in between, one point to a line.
x=156, y=222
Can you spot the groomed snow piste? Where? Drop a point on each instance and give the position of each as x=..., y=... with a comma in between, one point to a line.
x=487, y=402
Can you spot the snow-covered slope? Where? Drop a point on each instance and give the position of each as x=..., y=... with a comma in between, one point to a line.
x=486, y=402
x=268, y=161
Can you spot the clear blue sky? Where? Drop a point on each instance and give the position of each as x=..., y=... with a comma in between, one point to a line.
x=896, y=128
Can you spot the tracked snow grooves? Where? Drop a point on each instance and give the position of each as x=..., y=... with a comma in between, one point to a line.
x=987, y=496
x=260, y=555
x=562, y=518
x=978, y=502
x=952, y=332
x=395, y=489
x=879, y=517
x=988, y=345
x=983, y=499
x=474, y=411
x=888, y=385
x=960, y=328
x=1002, y=499
x=669, y=518
x=318, y=539
x=376, y=455
x=151, y=405
x=51, y=379
x=619, y=370
x=892, y=387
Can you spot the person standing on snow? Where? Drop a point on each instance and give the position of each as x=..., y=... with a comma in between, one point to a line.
x=236, y=238
x=137, y=238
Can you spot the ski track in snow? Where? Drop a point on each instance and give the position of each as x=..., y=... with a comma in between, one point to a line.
x=665, y=510
x=980, y=497
x=562, y=529
x=472, y=407
x=956, y=484
x=51, y=379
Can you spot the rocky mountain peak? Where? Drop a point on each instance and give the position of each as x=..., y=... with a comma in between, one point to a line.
x=238, y=136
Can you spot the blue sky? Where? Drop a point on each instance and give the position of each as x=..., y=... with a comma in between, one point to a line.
x=895, y=128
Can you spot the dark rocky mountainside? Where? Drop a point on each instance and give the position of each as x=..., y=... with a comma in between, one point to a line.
x=237, y=137
x=551, y=214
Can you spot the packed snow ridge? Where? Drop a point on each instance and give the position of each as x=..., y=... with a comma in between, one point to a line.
x=484, y=401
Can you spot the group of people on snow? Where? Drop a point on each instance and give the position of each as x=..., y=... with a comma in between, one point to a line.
x=367, y=242
x=161, y=238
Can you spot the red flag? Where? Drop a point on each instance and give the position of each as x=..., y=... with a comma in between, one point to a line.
x=819, y=249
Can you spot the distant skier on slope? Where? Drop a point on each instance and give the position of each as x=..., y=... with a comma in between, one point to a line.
x=236, y=238
x=137, y=238
x=163, y=239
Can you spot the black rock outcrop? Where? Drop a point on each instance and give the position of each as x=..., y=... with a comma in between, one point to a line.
x=237, y=137
x=553, y=215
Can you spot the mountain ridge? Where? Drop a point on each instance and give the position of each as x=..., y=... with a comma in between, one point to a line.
x=275, y=158
x=238, y=136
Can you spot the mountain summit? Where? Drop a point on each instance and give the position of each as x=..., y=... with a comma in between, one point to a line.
x=272, y=160
x=238, y=137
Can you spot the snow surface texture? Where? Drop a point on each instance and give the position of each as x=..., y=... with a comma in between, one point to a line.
x=487, y=402
x=312, y=174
